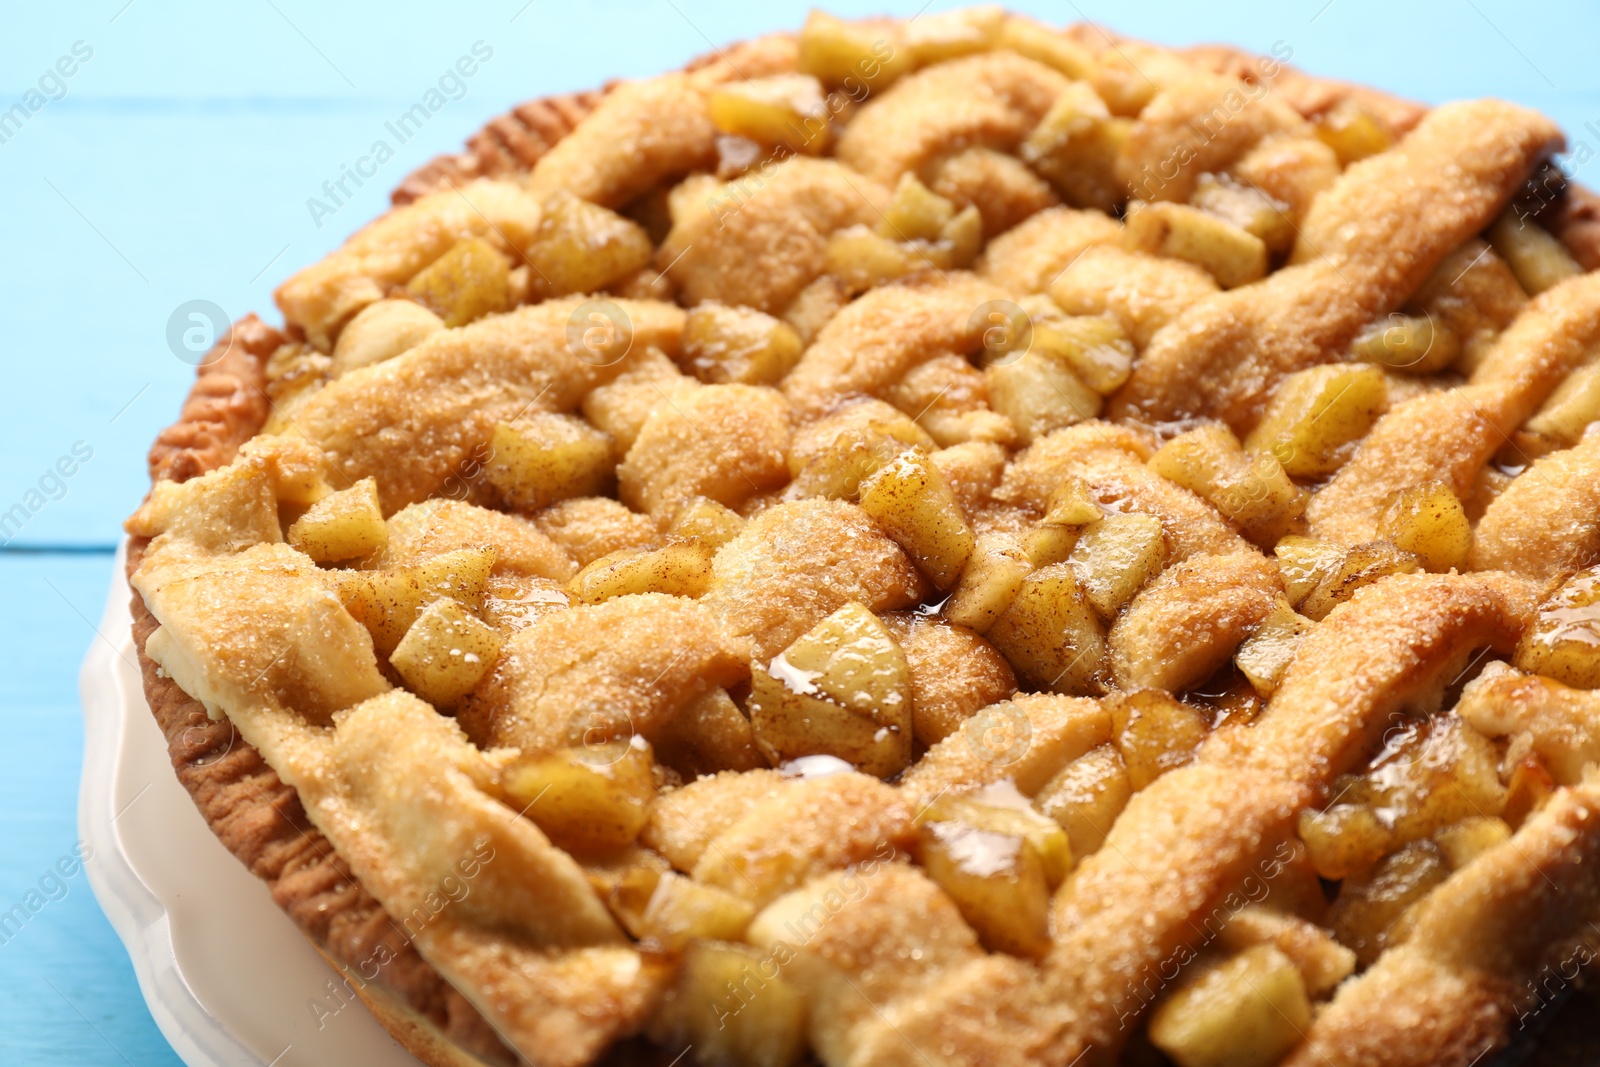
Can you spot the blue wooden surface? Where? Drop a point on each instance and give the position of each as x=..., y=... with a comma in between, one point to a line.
x=176, y=164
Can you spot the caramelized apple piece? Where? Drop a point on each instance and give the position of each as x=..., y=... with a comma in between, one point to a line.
x=469, y=281
x=1231, y=255
x=1072, y=504
x=837, y=470
x=706, y=521
x=592, y=798
x=344, y=525
x=911, y=500
x=681, y=910
x=863, y=259
x=1047, y=45
x=1317, y=416
x=998, y=859
x=446, y=652
x=733, y=1006
x=1115, y=556
x=1428, y=521
x=1571, y=409
x=682, y=568
x=1050, y=634
x=1155, y=733
x=1532, y=252
x=540, y=459
x=1039, y=392
x=989, y=582
x=963, y=237
x=1247, y=1011
x=1304, y=563
x=1322, y=962
x=388, y=601
x=1086, y=796
x=1431, y=775
x=916, y=212
x=1410, y=344
x=1343, y=839
x=784, y=110
x=1096, y=348
x=710, y=734
x=1075, y=147
x=1267, y=653
x=1047, y=544
x=724, y=343
x=626, y=881
x=582, y=247
x=382, y=331
x=1360, y=566
x=1353, y=132
x=1252, y=491
x=842, y=689
x=934, y=38
x=1471, y=837
x=1367, y=911
x=1564, y=641
x=854, y=57
x=1247, y=207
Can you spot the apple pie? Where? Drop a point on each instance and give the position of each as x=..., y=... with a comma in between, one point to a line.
x=932, y=542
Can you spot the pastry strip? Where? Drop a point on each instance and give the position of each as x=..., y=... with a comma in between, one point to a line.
x=1366, y=245
x=1141, y=901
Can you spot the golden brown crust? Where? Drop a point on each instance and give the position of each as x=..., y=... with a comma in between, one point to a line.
x=1187, y=622
x=513, y=142
x=991, y=100
x=260, y=819
x=1307, y=94
x=226, y=405
x=507, y=144
x=1192, y=837
x=797, y=563
x=954, y=673
x=1449, y=436
x=1577, y=223
x=1517, y=918
x=1368, y=242
x=725, y=251
x=1546, y=524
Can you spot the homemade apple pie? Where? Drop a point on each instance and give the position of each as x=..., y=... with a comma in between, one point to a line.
x=942, y=542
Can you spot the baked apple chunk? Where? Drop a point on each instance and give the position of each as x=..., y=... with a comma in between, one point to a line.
x=842, y=689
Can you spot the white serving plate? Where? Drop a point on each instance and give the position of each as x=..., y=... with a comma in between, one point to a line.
x=227, y=976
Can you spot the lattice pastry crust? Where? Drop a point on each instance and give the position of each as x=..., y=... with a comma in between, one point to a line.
x=937, y=542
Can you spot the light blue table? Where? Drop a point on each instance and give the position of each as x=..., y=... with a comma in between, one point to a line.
x=175, y=164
